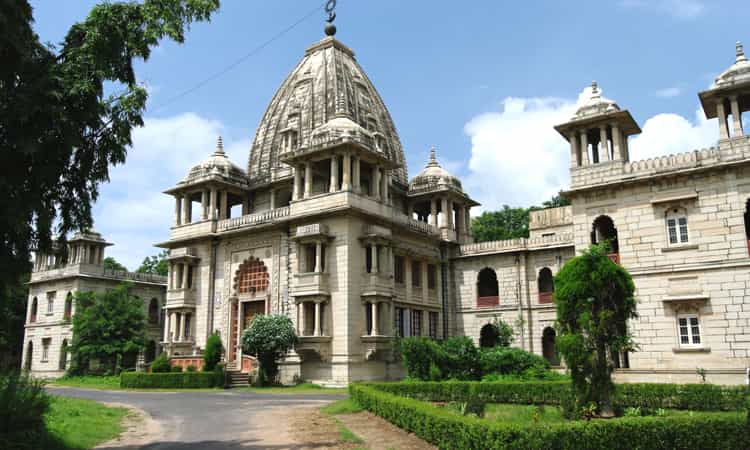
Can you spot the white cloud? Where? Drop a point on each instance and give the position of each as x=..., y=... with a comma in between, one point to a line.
x=517, y=158
x=132, y=212
x=668, y=92
x=680, y=9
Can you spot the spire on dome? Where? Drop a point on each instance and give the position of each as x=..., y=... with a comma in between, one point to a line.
x=330, y=28
x=433, y=162
x=594, y=87
x=740, y=52
x=219, y=148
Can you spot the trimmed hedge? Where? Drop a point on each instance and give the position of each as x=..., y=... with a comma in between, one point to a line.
x=448, y=430
x=696, y=397
x=177, y=380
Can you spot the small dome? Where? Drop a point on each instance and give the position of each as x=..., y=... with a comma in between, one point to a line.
x=434, y=177
x=739, y=72
x=595, y=104
x=218, y=165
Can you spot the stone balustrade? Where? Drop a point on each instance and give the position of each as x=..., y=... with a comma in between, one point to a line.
x=512, y=245
x=96, y=270
x=252, y=219
x=180, y=298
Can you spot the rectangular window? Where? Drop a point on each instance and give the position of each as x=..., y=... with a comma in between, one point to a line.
x=309, y=258
x=433, y=324
x=368, y=319
x=398, y=269
x=431, y=276
x=416, y=274
x=677, y=230
x=50, y=302
x=416, y=322
x=398, y=322
x=690, y=331
x=45, y=348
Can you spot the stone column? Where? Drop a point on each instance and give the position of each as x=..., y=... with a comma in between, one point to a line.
x=573, y=138
x=186, y=209
x=346, y=177
x=300, y=325
x=334, y=184
x=204, y=206
x=212, y=205
x=451, y=214
x=166, y=327
x=239, y=332
x=736, y=116
x=181, y=329
x=170, y=276
x=308, y=179
x=721, y=113
x=225, y=205
x=433, y=212
x=616, y=153
x=603, y=144
x=272, y=199
x=444, y=212
x=375, y=182
x=374, y=260
x=356, y=174
x=584, y=148
x=425, y=291
x=375, y=328
x=177, y=210
x=407, y=277
x=318, y=257
x=316, y=331
x=185, y=270
x=439, y=292
x=386, y=184
x=296, y=189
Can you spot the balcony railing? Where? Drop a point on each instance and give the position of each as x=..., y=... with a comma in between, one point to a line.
x=488, y=302
x=252, y=219
x=546, y=298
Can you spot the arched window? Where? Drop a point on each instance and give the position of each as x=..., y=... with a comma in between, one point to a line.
x=63, y=355
x=487, y=288
x=251, y=277
x=677, y=226
x=34, y=307
x=603, y=230
x=488, y=336
x=29, y=356
x=549, y=351
x=153, y=311
x=546, y=285
x=68, y=306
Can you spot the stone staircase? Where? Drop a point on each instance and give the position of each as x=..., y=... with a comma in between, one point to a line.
x=235, y=378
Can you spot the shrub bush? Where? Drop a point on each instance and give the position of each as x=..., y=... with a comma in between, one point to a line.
x=160, y=364
x=419, y=355
x=191, y=368
x=176, y=369
x=212, y=353
x=23, y=403
x=448, y=430
x=512, y=361
x=461, y=359
x=144, y=380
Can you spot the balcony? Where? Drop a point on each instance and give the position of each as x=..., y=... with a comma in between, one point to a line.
x=191, y=230
x=545, y=298
x=377, y=347
x=319, y=345
x=251, y=220
x=377, y=284
x=177, y=298
x=310, y=284
x=488, y=302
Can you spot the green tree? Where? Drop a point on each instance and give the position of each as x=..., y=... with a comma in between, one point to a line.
x=594, y=298
x=67, y=113
x=111, y=263
x=269, y=338
x=556, y=201
x=212, y=353
x=508, y=223
x=107, y=327
x=157, y=264
x=13, y=300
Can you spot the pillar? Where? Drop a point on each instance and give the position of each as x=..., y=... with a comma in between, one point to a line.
x=316, y=331
x=374, y=249
x=461, y=216
x=444, y=212
x=603, y=144
x=375, y=328
x=297, y=188
x=272, y=199
x=170, y=276
x=180, y=326
x=616, y=152
x=300, y=325
x=375, y=182
x=721, y=113
x=166, y=327
x=584, y=148
x=425, y=292
x=318, y=257
x=574, y=160
x=204, y=205
x=433, y=212
x=308, y=179
x=212, y=205
x=346, y=177
x=177, y=210
x=334, y=184
x=238, y=343
x=450, y=214
x=356, y=174
x=386, y=184
x=185, y=269
x=224, y=212
x=736, y=116
x=407, y=277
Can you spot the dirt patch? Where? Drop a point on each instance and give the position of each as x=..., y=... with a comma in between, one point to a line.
x=140, y=429
x=311, y=429
x=379, y=434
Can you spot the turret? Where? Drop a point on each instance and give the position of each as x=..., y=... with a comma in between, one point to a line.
x=729, y=96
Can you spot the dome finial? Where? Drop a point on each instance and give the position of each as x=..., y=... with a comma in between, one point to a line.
x=330, y=28
x=219, y=147
x=433, y=162
x=740, y=52
x=594, y=87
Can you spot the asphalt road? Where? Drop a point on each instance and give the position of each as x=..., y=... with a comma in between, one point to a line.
x=225, y=420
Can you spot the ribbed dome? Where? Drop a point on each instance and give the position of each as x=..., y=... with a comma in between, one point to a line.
x=328, y=90
x=433, y=177
x=595, y=104
x=739, y=72
x=217, y=166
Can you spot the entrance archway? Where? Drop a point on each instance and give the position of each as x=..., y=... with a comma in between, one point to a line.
x=488, y=336
x=549, y=351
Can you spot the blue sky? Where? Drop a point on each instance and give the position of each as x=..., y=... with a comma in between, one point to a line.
x=482, y=81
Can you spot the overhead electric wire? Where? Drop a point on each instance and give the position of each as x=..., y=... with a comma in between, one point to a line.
x=239, y=61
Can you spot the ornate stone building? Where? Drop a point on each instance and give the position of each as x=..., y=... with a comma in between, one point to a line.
x=53, y=283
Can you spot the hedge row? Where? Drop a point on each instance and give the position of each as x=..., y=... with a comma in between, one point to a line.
x=448, y=430
x=696, y=397
x=178, y=380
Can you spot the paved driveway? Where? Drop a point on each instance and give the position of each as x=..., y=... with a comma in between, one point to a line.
x=211, y=420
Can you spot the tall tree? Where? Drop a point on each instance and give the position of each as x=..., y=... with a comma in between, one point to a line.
x=594, y=298
x=156, y=264
x=107, y=327
x=60, y=129
x=13, y=299
x=111, y=263
x=508, y=223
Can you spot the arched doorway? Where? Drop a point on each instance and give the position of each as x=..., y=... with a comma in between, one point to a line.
x=604, y=230
x=488, y=336
x=487, y=288
x=29, y=355
x=549, y=351
x=63, y=364
x=545, y=285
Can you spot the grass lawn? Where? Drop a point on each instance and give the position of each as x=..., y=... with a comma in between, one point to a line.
x=345, y=406
x=91, y=382
x=82, y=424
x=303, y=388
